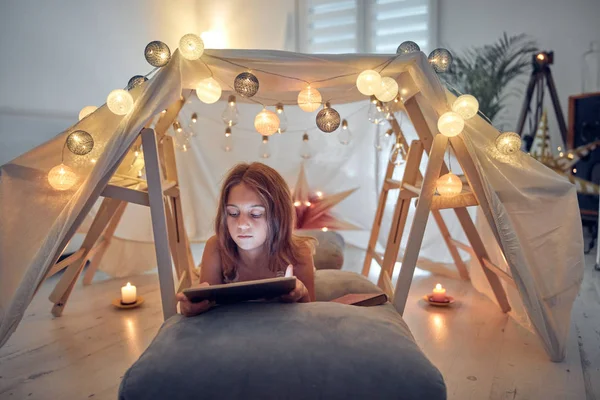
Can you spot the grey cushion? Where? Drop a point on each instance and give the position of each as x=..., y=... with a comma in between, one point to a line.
x=331, y=284
x=317, y=350
x=329, y=253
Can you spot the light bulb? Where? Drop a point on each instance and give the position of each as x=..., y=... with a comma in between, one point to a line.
x=328, y=119
x=62, y=177
x=85, y=111
x=227, y=141
x=376, y=114
x=388, y=89
x=450, y=124
x=309, y=99
x=230, y=115
x=80, y=143
x=283, y=120
x=345, y=136
x=177, y=126
x=466, y=106
x=119, y=101
x=157, y=53
x=246, y=84
x=264, y=151
x=440, y=59
x=194, y=118
x=266, y=122
x=449, y=185
x=191, y=46
x=305, y=147
x=397, y=155
x=208, y=90
x=368, y=82
x=509, y=143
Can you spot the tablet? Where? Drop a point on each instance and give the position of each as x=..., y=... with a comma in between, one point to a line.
x=242, y=291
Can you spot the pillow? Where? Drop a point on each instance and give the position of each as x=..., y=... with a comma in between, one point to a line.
x=329, y=253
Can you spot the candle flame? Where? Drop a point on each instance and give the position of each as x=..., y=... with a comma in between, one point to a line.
x=438, y=286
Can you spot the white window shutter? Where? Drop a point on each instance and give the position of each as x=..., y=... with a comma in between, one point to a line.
x=395, y=21
x=331, y=26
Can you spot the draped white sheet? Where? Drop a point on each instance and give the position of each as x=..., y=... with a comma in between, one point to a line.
x=544, y=254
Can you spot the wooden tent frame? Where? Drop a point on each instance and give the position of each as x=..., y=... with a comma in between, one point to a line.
x=160, y=192
x=413, y=185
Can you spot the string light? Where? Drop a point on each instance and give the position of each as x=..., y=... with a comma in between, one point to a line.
x=408, y=47
x=440, y=59
x=345, y=136
x=246, y=84
x=509, y=143
x=449, y=185
x=208, y=90
x=328, y=119
x=305, y=148
x=85, y=111
x=191, y=46
x=230, y=115
x=135, y=81
x=283, y=120
x=450, y=124
x=61, y=177
x=266, y=122
x=157, y=53
x=120, y=102
x=388, y=89
x=194, y=118
x=228, y=140
x=80, y=143
x=368, y=82
x=466, y=106
x=309, y=99
x=264, y=149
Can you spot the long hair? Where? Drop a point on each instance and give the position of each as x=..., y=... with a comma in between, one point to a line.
x=283, y=246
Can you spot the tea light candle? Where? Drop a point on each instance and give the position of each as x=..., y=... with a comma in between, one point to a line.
x=439, y=294
x=128, y=294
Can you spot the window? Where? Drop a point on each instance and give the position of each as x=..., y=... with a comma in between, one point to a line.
x=365, y=26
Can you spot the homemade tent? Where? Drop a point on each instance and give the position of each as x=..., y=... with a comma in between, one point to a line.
x=544, y=254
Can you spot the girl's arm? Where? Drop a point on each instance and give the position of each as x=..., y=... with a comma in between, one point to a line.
x=210, y=266
x=305, y=272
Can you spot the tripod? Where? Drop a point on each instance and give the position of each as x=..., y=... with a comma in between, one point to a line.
x=541, y=72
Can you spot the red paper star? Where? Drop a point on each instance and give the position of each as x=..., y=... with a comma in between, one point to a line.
x=313, y=210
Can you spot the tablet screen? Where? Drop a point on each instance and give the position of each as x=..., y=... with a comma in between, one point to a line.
x=242, y=291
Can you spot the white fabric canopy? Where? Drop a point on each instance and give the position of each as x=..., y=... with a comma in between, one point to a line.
x=544, y=255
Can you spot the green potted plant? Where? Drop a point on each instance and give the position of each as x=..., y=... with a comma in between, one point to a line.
x=486, y=71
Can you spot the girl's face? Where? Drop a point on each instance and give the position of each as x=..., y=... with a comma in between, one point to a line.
x=246, y=218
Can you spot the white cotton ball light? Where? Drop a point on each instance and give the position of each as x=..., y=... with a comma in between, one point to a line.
x=208, y=91
x=309, y=99
x=368, y=82
x=191, y=46
x=449, y=185
x=450, y=124
x=62, y=177
x=266, y=122
x=120, y=102
x=85, y=111
x=466, y=106
x=388, y=89
x=508, y=143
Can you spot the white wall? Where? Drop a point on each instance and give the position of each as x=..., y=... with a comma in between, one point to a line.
x=565, y=26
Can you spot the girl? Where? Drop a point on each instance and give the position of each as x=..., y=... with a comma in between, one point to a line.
x=254, y=238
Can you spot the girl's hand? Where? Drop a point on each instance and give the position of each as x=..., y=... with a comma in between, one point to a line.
x=190, y=309
x=299, y=294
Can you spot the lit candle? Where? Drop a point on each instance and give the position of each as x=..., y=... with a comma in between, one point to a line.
x=439, y=294
x=128, y=295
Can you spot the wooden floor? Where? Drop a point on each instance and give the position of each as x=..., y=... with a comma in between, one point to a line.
x=482, y=353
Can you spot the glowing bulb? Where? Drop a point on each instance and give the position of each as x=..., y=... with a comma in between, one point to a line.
x=157, y=54
x=324, y=229
x=93, y=161
x=297, y=204
x=559, y=148
x=308, y=204
x=283, y=120
x=574, y=170
x=194, y=118
x=208, y=90
x=62, y=177
x=328, y=119
x=305, y=147
x=227, y=141
x=345, y=136
x=246, y=84
x=85, y=111
x=264, y=150
x=80, y=143
x=449, y=185
x=466, y=106
x=368, y=82
x=191, y=46
x=570, y=156
x=177, y=126
x=119, y=101
x=450, y=124
x=375, y=113
x=309, y=99
x=388, y=89
x=266, y=122
x=509, y=143
x=319, y=194
x=397, y=155
x=230, y=116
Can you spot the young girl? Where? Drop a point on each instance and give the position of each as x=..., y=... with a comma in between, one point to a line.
x=254, y=238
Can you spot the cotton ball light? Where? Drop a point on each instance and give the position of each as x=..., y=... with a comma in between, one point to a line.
x=450, y=124
x=466, y=106
x=135, y=81
x=119, y=101
x=80, y=143
x=508, y=143
x=157, y=53
x=85, y=111
x=266, y=122
x=309, y=99
x=449, y=185
x=408, y=47
x=208, y=90
x=368, y=82
x=191, y=46
x=62, y=177
x=246, y=84
x=388, y=89
x=440, y=59
x=328, y=119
